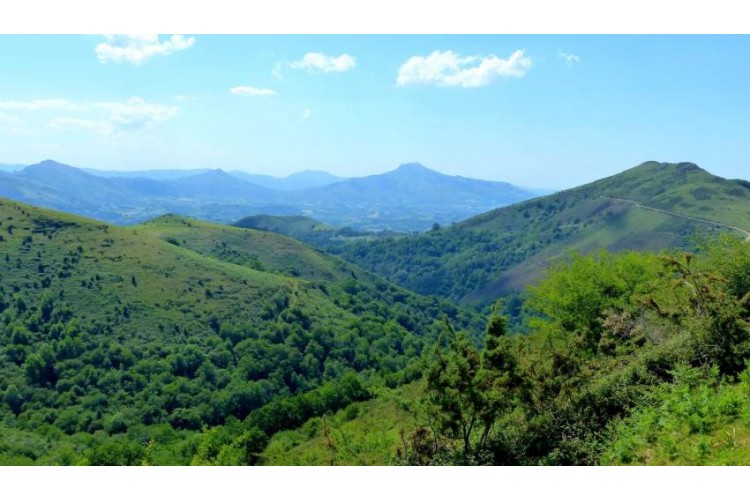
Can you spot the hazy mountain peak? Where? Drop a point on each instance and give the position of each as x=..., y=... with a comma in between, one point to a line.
x=215, y=173
x=412, y=168
x=51, y=170
x=49, y=164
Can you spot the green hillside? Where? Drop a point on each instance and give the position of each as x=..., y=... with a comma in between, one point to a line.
x=259, y=250
x=650, y=207
x=112, y=338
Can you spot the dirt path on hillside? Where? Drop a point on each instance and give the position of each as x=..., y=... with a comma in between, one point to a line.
x=677, y=214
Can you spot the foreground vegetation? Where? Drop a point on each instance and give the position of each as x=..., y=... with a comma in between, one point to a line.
x=633, y=359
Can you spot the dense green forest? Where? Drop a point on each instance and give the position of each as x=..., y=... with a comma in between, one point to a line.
x=121, y=345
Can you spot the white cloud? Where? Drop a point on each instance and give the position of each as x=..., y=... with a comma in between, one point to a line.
x=41, y=104
x=318, y=61
x=306, y=113
x=252, y=91
x=137, y=49
x=569, y=58
x=131, y=115
x=448, y=69
x=136, y=114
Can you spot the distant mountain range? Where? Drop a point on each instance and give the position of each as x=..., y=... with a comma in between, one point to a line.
x=410, y=198
x=299, y=180
x=157, y=175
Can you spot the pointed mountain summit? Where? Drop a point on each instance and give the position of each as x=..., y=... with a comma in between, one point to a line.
x=412, y=169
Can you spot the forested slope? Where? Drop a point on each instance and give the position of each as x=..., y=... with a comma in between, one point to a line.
x=115, y=335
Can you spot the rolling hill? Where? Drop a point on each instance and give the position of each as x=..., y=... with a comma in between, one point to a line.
x=653, y=206
x=110, y=333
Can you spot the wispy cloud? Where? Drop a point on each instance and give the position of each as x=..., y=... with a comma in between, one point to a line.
x=306, y=113
x=136, y=113
x=41, y=104
x=318, y=62
x=252, y=91
x=137, y=49
x=569, y=58
x=122, y=117
x=449, y=69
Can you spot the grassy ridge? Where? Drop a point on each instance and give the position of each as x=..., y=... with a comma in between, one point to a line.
x=255, y=249
x=103, y=270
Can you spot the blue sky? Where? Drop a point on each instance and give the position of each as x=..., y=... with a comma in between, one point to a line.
x=541, y=111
